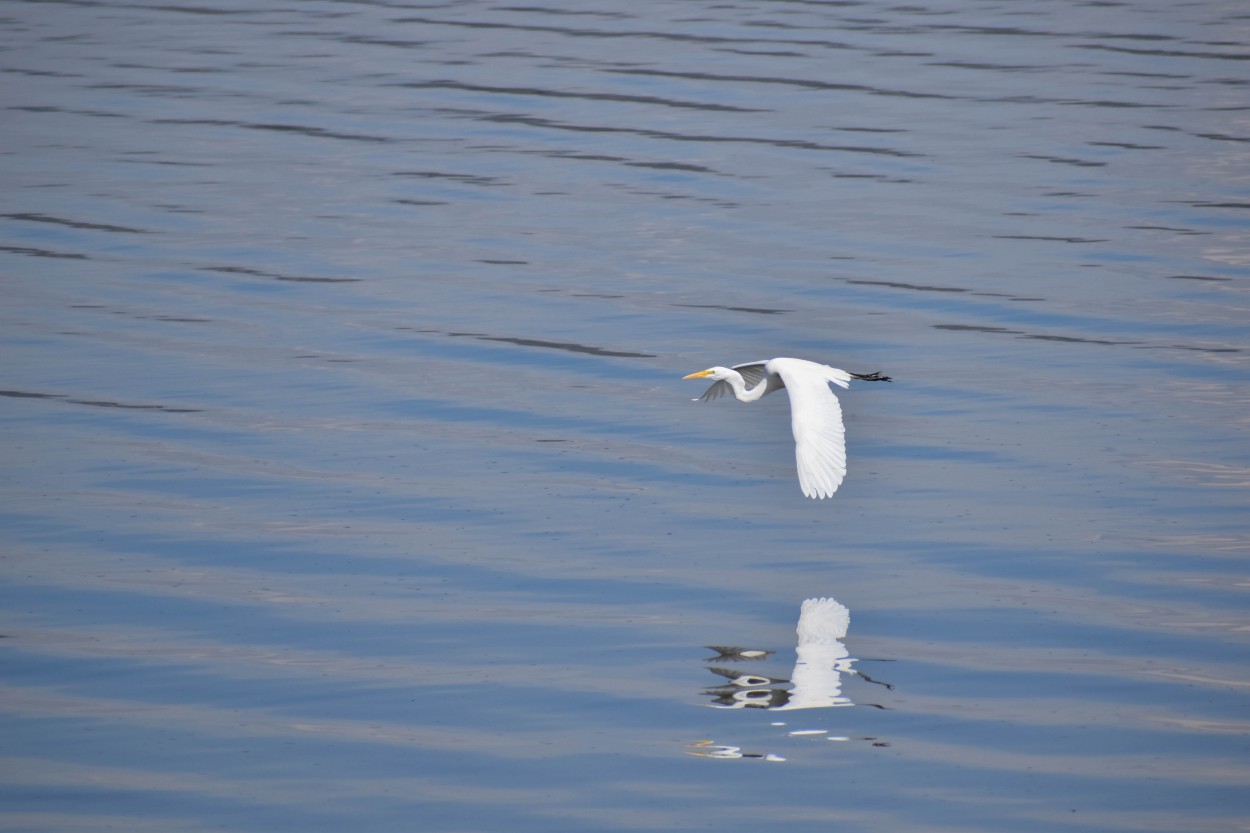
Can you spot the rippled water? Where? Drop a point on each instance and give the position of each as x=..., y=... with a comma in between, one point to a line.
x=352, y=483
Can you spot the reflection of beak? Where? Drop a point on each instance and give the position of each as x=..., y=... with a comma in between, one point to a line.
x=710, y=749
x=699, y=375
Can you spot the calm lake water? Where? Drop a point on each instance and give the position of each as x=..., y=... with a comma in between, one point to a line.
x=351, y=483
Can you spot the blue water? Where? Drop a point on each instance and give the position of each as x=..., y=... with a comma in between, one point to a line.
x=351, y=482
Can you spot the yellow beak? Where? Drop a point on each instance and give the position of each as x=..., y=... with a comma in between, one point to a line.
x=699, y=375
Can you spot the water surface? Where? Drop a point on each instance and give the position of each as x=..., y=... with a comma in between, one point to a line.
x=352, y=482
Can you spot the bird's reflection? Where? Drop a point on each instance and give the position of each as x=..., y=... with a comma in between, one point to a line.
x=816, y=681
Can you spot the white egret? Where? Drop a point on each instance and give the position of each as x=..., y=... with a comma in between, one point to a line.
x=815, y=415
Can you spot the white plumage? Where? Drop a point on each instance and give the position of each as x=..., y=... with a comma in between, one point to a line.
x=815, y=415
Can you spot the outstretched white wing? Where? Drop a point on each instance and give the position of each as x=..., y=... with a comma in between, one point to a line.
x=816, y=420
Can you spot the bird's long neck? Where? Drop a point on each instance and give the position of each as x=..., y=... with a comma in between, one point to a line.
x=742, y=392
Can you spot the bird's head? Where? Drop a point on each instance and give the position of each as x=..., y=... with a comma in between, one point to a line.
x=717, y=374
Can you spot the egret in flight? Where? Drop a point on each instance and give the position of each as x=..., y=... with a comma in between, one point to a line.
x=815, y=415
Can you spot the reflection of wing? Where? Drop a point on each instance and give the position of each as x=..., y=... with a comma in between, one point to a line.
x=729, y=653
x=821, y=656
x=823, y=621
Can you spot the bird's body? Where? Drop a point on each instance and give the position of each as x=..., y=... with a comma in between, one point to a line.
x=815, y=415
